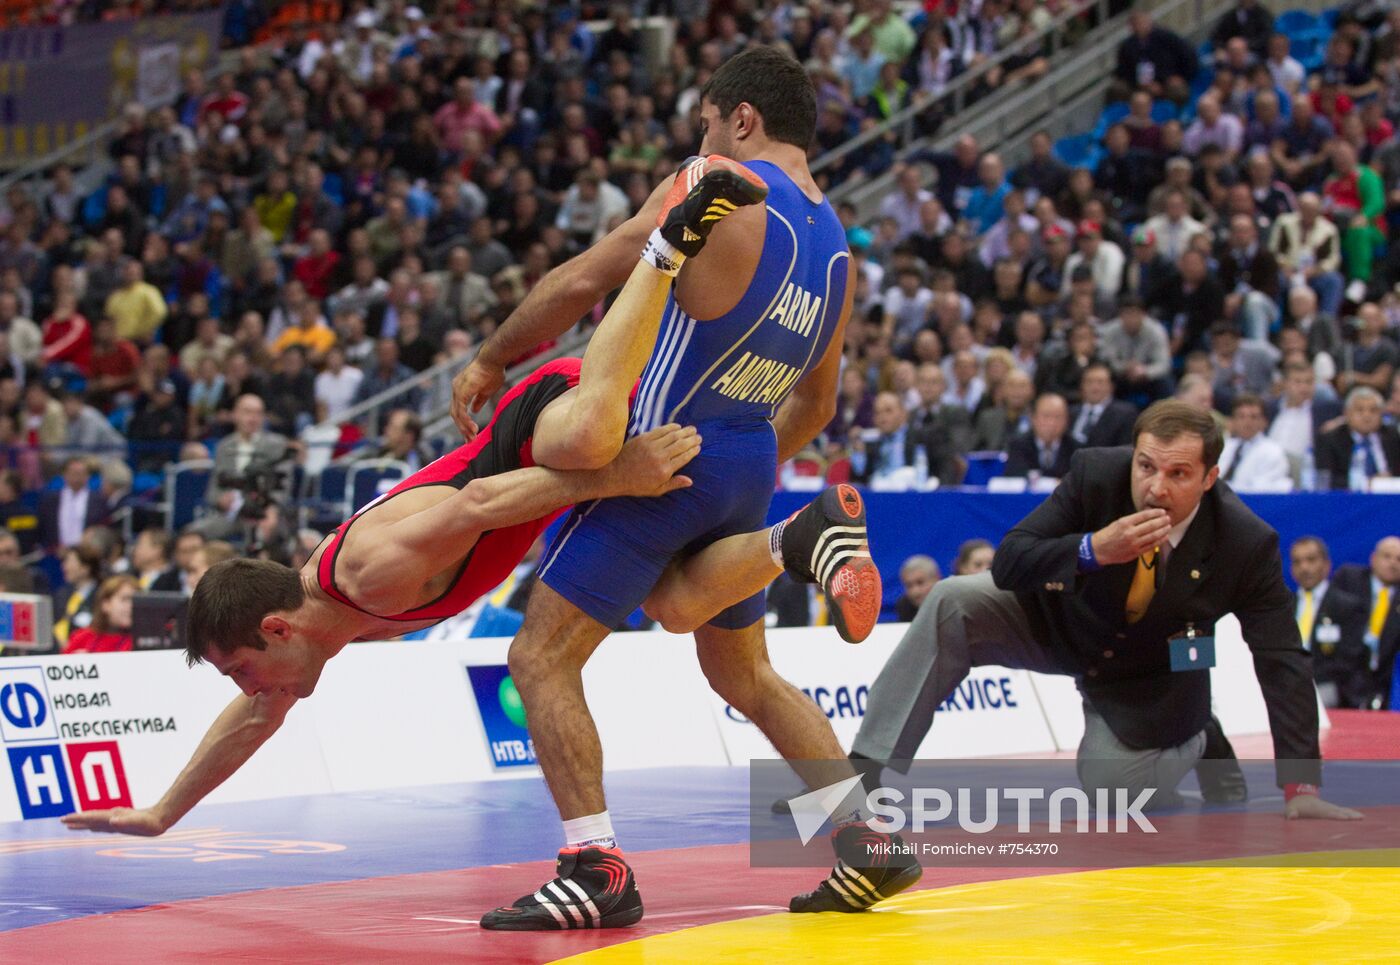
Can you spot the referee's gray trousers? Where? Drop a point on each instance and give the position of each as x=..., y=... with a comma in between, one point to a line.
x=967, y=622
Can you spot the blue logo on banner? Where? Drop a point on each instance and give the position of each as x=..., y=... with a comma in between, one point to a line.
x=41, y=781
x=502, y=716
x=25, y=714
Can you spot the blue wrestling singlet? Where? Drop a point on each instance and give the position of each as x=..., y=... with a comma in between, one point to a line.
x=726, y=376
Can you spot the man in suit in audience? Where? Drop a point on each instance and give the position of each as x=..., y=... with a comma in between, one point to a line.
x=1047, y=447
x=998, y=424
x=1298, y=415
x=1100, y=419
x=1332, y=624
x=1252, y=462
x=897, y=445
x=1363, y=437
x=64, y=513
x=1379, y=586
x=933, y=414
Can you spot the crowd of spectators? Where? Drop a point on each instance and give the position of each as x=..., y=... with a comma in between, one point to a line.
x=347, y=204
x=1228, y=246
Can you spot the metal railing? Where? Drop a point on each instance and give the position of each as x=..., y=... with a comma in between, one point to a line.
x=956, y=96
x=436, y=385
x=1005, y=121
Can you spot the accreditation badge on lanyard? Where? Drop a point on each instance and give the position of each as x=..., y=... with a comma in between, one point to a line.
x=1191, y=650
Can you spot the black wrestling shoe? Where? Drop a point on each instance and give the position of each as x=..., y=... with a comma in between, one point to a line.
x=594, y=888
x=706, y=190
x=826, y=543
x=870, y=867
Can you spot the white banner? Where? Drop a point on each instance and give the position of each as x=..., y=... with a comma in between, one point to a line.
x=99, y=730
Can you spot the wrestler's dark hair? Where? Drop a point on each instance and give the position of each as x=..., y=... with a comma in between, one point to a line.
x=230, y=601
x=1170, y=419
x=775, y=84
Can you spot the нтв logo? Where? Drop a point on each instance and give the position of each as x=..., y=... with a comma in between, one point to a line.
x=24, y=707
x=502, y=716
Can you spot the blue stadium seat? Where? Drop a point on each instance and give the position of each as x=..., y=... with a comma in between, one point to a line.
x=1308, y=50
x=982, y=466
x=185, y=484
x=1163, y=111
x=1295, y=22
x=1110, y=115
x=371, y=478
x=497, y=621
x=1077, y=150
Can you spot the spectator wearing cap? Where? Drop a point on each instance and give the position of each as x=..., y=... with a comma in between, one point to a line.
x=1048, y=274
x=1137, y=350
x=157, y=428
x=1103, y=258
x=1149, y=275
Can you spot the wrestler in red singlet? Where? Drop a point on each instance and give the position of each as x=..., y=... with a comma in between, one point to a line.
x=504, y=444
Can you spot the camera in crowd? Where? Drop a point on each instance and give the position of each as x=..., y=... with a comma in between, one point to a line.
x=258, y=485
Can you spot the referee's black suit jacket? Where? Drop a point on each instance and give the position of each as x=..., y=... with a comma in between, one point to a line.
x=1227, y=562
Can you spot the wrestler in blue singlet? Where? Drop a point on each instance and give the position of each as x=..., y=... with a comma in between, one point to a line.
x=726, y=376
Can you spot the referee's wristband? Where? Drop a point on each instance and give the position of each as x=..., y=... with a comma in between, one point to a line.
x=1088, y=562
x=1290, y=791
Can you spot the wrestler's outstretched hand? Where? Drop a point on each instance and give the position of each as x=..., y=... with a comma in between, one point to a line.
x=648, y=464
x=143, y=821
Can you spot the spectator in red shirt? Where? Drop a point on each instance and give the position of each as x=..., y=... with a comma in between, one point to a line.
x=67, y=336
x=110, y=629
x=315, y=268
x=115, y=362
x=226, y=99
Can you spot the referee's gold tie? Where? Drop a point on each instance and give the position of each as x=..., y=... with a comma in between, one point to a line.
x=1305, y=621
x=1380, y=611
x=1144, y=585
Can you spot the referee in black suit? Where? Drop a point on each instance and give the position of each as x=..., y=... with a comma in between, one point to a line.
x=1134, y=547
